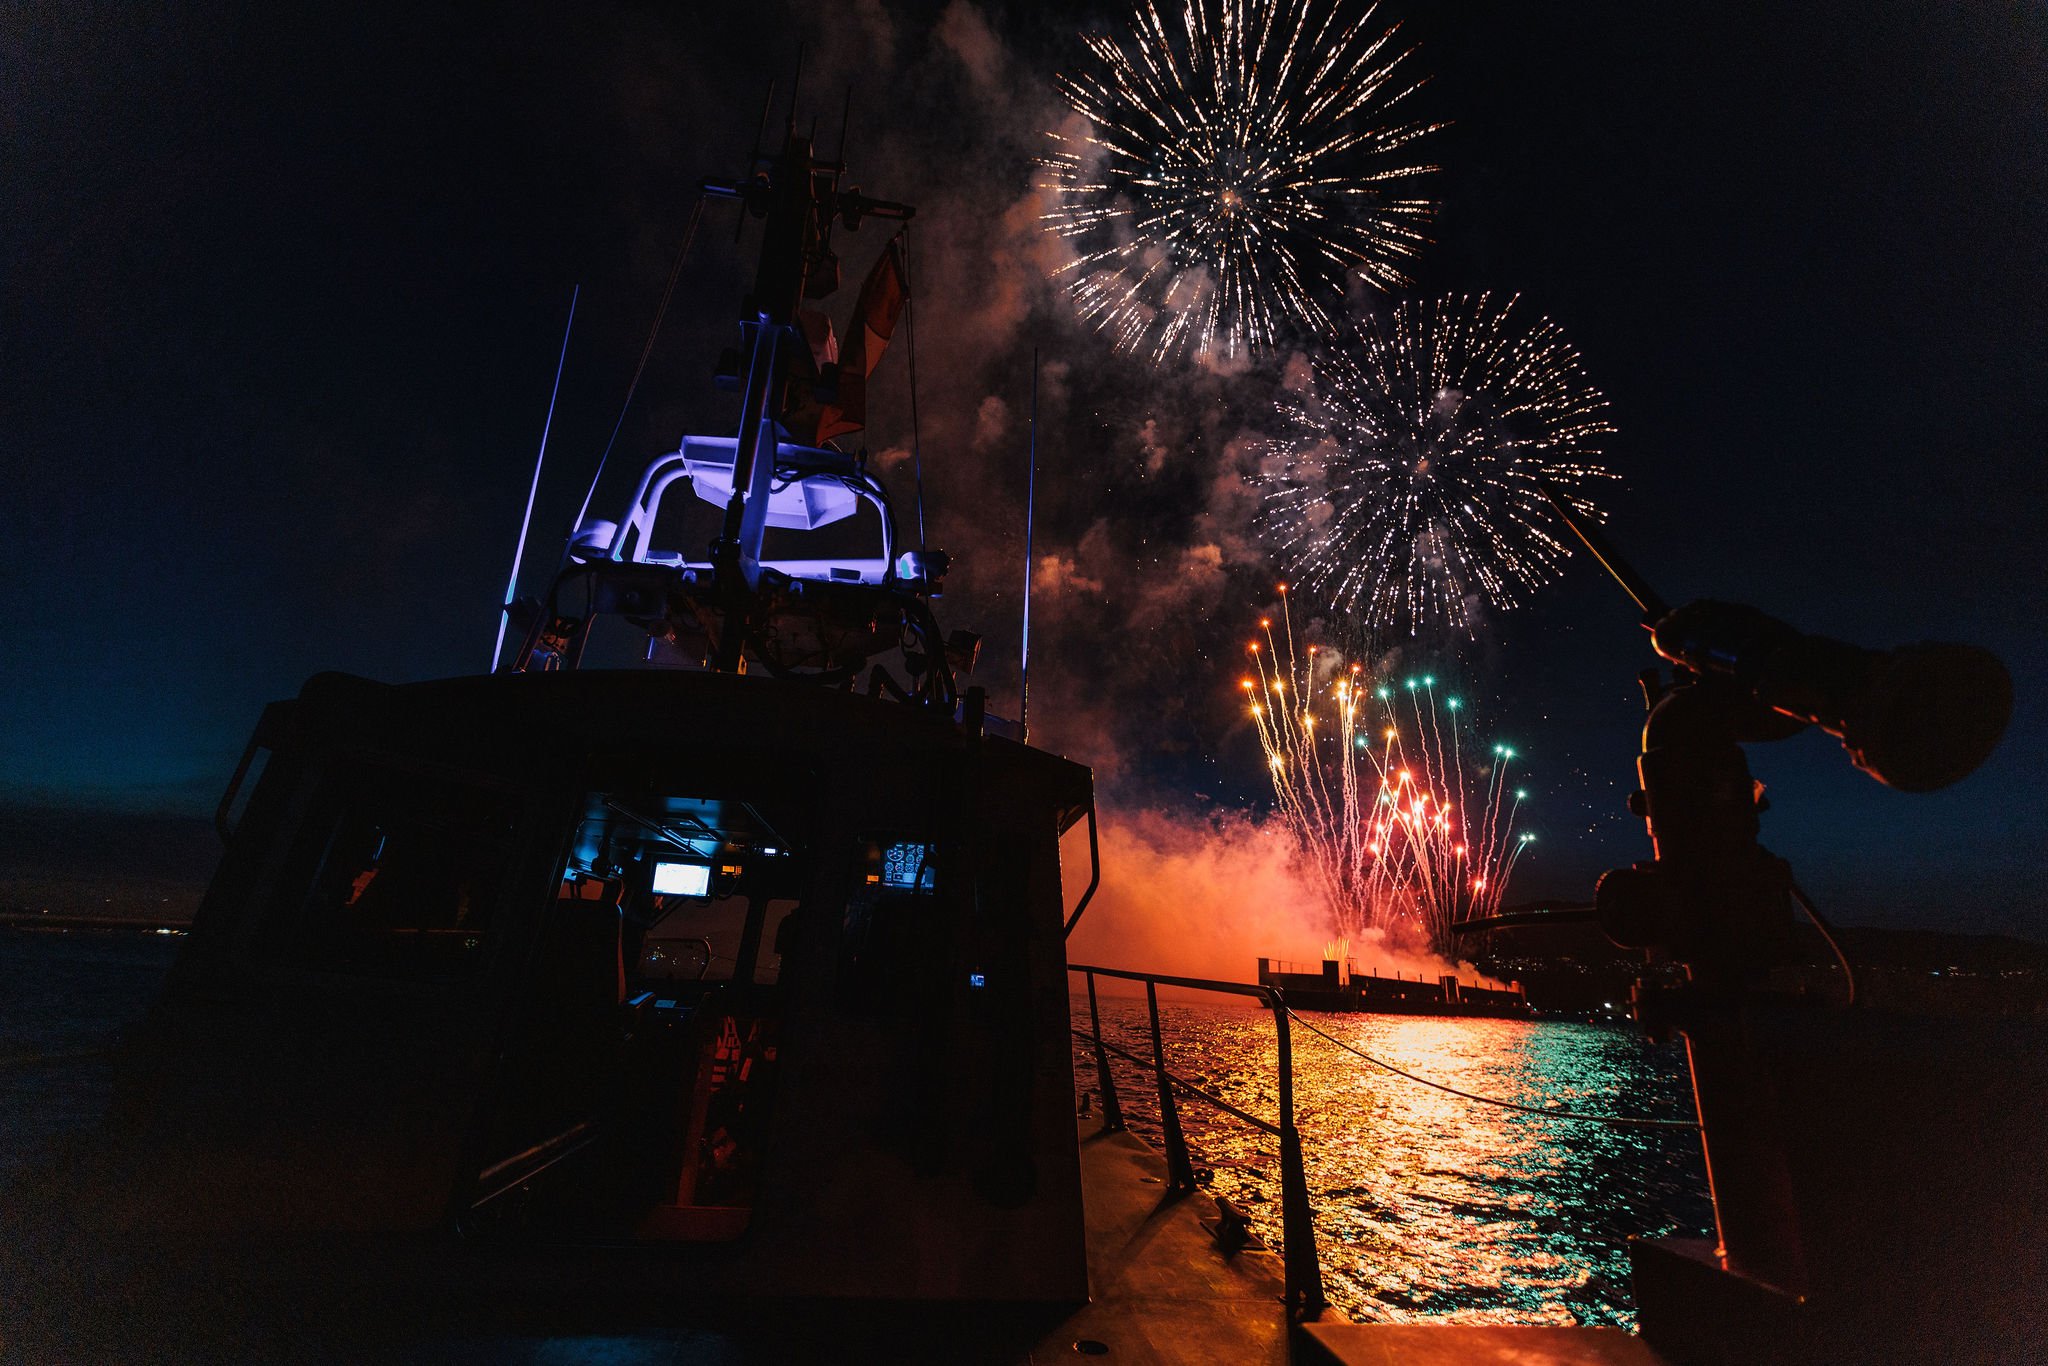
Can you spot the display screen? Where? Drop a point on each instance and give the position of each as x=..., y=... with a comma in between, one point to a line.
x=908, y=865
x=682, y=879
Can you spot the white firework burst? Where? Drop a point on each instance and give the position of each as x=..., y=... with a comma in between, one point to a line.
x=1404, y=486
x=1239, y=166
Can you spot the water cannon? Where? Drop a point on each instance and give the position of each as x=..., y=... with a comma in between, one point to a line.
x=1810, y=1093
x=1916, y=718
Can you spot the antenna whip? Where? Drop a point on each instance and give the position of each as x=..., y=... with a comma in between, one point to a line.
x=910, y=339
x=646, y=353
x=519, y=551
x=1030, y=515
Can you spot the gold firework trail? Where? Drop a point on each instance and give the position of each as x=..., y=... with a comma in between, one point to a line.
x=1403, y=823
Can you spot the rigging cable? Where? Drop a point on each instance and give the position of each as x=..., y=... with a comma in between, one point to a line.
x=1827, y=932
x=646, y=353
x=1618, y=1121
x=1030, y=514
x=1263, y=1125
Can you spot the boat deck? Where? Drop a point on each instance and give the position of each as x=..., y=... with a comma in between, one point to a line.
x=1163, y=1293
x=1443, y=1344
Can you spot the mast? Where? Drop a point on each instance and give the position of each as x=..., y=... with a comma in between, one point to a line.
x=797, y=195
x=1030, y=512
x=797, y=616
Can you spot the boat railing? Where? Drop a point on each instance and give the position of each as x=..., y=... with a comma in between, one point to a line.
x=1304, y=1277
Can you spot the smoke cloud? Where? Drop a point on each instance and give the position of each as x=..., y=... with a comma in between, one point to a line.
x=1208, y=896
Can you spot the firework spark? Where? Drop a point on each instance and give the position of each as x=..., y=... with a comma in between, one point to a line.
x=1238, y=168
x=1404, y=821
x=1403, y=485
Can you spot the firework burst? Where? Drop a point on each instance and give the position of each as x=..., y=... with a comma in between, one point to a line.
x=1238, y=167
x=1403, y=486
x=1404, y=821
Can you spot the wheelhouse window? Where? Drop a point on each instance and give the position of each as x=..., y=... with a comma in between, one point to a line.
x=890, y=922
x=706, y=883
x=410, y=875
x=699, y=892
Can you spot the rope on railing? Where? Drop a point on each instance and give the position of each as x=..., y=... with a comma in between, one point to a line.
x=1264, y=1125
x=1300, y=1261
x=1544, y=1111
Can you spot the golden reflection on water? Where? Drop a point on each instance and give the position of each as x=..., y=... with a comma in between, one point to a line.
x=1430, y=1206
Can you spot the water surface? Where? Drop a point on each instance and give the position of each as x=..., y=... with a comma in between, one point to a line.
x=64, y=998
x=1430, y=1206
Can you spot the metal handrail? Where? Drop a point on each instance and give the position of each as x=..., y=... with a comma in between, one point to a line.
x=1094, y=871
x=1304, y=1276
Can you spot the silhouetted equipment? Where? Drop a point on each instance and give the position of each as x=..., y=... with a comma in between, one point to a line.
x=1877, y=1189
x=1916, y=718
x=1232, y=1231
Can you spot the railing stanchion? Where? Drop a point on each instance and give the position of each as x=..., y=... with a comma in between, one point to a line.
x=1305, y=1297
x=1304, y=1275
x=1112, y=1112
x=1180, y=1172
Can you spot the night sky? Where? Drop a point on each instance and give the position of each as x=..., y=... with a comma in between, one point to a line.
x=282, y=289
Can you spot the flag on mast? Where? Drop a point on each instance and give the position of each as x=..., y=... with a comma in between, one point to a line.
x=874, y=321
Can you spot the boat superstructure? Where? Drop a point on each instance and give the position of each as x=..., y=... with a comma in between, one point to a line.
x=727, y=981
x=802, y=573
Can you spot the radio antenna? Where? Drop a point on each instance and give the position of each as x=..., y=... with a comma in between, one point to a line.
x=526, y=522
x=1030, y=511
x=795, y=85
x=754, y=157
x=845, y=116
x=910, y=341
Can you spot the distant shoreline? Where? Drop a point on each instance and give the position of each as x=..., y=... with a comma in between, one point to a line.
x=33, y=921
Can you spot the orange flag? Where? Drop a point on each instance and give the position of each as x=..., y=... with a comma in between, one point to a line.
x=882, y=296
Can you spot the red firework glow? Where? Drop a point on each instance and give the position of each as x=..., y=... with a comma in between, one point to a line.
x=1403, y=823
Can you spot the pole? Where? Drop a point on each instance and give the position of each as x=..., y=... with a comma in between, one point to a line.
x=519, y=551
x=910, y=339
x=1597, y=544
x=1030, y=510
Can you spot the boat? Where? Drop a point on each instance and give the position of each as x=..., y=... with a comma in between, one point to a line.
x=725, y=1013
x=1336, y=986
x=652, y=1000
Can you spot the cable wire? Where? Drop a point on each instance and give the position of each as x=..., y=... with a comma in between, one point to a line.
x=1546, y=1112
x=646, y=353
x=1266, y=1126
x=1827, y=932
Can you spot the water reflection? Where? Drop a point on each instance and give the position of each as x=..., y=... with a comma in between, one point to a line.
x=1430, y=1206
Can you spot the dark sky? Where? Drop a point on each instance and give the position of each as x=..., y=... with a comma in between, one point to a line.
x=281, y=290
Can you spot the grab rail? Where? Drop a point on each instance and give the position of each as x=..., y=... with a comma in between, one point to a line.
x=1094, y=870
x=1304, y=1274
